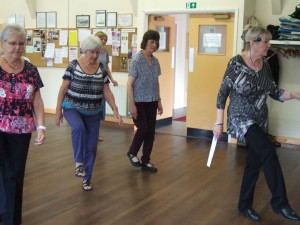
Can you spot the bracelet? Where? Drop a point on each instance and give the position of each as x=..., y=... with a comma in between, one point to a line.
x=114, y=108
x=41, y=127
x=219, y=123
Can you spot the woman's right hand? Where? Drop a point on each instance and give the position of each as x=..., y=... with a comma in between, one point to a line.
x=115, y=83
x=217, y=130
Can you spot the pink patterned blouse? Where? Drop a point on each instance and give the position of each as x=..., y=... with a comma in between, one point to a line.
x=16, y=99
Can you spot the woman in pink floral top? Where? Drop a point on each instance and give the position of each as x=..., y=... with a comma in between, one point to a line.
x=21, y=113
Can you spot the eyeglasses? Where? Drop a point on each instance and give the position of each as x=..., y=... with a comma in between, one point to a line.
x=15, y=44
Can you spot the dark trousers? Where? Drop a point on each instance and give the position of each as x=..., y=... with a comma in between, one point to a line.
x=15, y=149
x=261, y=152
x=85, y=132
x=145, y=123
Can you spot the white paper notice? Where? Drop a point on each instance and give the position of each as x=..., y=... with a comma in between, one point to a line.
x=63, y=37
x=212, y=151
x=49, y=53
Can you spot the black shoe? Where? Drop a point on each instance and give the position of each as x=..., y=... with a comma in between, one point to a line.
x=134, y=160
x=149, y=167
x=287, y=213
x=250, y=214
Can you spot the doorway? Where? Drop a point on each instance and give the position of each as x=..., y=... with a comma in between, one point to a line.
x=185, y=41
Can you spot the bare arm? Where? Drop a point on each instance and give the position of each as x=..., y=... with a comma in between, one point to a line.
x=160, y=109
x=38, y=106
x=115, y=83
x=132, y=107
x=111, y=101
x=289, y=95
x=61, y=94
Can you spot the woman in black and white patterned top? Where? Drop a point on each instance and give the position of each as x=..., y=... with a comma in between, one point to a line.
x=248, y=82
x=79, y=100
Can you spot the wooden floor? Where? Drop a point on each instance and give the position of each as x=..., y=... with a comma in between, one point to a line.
x=183, y=192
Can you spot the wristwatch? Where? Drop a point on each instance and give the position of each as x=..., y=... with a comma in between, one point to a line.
x=41, y=128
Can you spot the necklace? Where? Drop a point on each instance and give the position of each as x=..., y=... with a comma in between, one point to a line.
x=12, y=67
x=255, y=68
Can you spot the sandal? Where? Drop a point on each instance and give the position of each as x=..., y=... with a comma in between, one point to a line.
x=79, y=171
x=87, y=185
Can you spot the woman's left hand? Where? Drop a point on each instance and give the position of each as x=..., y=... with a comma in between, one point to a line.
x=40, y=139
x=160, y=109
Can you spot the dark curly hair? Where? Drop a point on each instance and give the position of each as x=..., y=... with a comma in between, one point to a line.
x=150, y=35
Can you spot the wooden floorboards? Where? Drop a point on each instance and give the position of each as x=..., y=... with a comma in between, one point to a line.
x=183, y=192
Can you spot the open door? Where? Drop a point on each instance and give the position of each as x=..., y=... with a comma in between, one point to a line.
x=166, y=26
x=210, y=49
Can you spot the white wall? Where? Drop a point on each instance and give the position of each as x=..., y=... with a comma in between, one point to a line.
x=66, y=18
x=283, y=117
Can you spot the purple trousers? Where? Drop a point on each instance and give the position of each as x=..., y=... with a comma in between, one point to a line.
x=85, y=132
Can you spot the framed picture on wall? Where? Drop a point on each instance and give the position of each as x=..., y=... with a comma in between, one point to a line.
x=82, y=21
x=125, y=20
x=100, y=18
x=40, y=20
x=111, y=19
x=51, y=19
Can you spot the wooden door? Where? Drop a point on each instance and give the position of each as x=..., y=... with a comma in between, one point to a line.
x=207, y=67
x=166, y=79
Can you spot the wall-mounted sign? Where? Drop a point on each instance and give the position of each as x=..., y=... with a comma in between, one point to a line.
x=191, y=5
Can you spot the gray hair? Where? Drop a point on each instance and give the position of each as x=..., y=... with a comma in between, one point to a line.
x=90, y=43
x=12, y=29
x=254, y=34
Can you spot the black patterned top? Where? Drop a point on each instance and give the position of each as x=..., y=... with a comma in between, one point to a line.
x=85, y=92
x=248, y=91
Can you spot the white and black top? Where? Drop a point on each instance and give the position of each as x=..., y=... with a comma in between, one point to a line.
x=248, y=90
x=85, y=92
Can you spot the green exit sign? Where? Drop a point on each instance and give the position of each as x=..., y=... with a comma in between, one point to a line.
x=191, y=5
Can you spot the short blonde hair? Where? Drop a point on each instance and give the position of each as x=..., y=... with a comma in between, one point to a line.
x=101, y=34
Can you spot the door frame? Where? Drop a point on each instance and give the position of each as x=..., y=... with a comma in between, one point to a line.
x=146, y=13
x=235, y=11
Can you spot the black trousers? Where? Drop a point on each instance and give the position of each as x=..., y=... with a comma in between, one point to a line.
x=261, y=152
x=145, y=123
x=14, y=150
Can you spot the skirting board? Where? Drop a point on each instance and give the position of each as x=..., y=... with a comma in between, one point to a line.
x=282, y=140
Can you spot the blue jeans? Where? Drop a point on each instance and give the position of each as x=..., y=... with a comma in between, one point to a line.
x=85, y=132
x=14, y=150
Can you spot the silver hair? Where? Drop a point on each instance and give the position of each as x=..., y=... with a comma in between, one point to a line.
x=255, y=34
x=12, y=29
x=90, y=43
